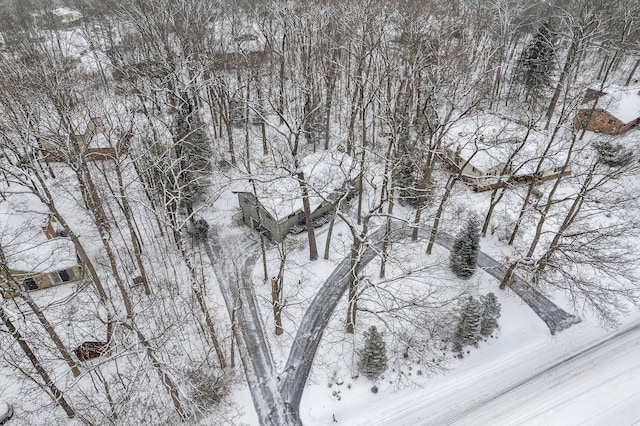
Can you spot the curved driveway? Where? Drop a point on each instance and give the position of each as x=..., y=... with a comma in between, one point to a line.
x=278, y=403
x=319, y=312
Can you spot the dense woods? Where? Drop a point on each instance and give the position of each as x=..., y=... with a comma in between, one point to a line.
x=127, y=122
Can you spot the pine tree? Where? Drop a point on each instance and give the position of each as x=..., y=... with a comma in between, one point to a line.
x=470, y=323
x=537, y=63
x=373, y=357
x=464, y=254
x=613, y=154
x=405, y=180
x=490, y=314
x=194, y=151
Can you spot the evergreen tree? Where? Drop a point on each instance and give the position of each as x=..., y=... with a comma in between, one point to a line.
x=613, y=154
x=490, y=314
x=194, y=150
x=464, y=254
x=537, y=63
x=373, y=357
x=470, y=323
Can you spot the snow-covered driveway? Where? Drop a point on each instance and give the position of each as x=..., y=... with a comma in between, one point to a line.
x=276, y=403
x=233, y=258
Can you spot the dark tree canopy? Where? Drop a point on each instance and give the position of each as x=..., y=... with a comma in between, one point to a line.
x=537, y=63
x=490, y=314
x=470, y=323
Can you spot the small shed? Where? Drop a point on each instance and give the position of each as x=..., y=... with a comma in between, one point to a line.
x=617, y=110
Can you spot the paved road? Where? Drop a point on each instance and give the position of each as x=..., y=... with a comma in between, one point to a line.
x=519, y=390
x=233, y=258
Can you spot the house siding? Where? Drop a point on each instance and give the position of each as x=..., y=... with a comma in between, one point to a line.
x=600, y=121
x=41, y=280
x=257, y=217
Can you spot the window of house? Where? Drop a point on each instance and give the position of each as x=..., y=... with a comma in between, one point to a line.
x=64, y=275
x=29, y=284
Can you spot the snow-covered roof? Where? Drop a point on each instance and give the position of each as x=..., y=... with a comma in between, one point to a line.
x=621, y=102
x=23, y=240
x=45, y=256
x=66, y=14
x=490, y=140
x=279, y=191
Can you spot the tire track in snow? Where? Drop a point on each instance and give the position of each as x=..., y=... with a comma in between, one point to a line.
x=279, y=404
x=232, y=260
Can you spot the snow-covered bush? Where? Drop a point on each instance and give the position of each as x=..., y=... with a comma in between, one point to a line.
x=613, y=154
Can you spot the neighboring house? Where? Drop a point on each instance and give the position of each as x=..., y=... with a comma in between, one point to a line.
x=94, y=141
x=488, y=153
x=278, y=209
x=498, y=175
x=37, y=255
x=481, y=180
x=64, y=15
x=616, y=112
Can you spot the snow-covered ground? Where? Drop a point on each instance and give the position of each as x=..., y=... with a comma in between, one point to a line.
x=506, y=381
x=522, y=376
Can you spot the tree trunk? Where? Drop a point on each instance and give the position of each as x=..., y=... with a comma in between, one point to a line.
x=277, y=284
x=313, y=248
x=436, y=222
x=56, y=394
x=353, y=282
x=135, y=241
x=361, y=185
x=568, y=64
x=327, y=244
x=532, y=184
x=87, y=264
x=198, y=290
x=66, y=355
x=550, y=201
x=171, y=388
x=385, y=241
x=331, y=82
x=568, y=220
x=632, y=73
x=495, y=197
